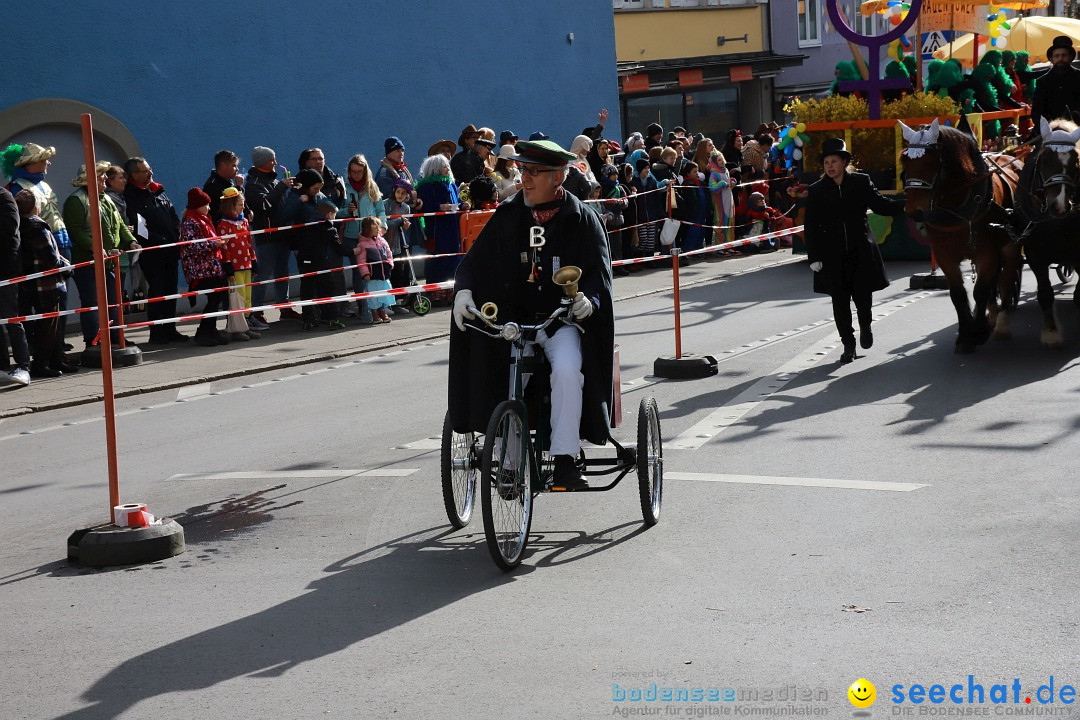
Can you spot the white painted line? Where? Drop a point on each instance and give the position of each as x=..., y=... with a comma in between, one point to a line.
x=431, y=443
x=731, y=412
x=190, y=391
x=297, y=474
x=795, y=481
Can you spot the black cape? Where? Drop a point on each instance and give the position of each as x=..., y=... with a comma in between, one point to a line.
x=496, y=269
x=836, y=227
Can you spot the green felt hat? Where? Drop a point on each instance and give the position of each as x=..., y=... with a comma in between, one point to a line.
x=542, y=152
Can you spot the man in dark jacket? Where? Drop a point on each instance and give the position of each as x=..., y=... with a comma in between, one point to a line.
x=147, y=198
x=842, y=251
x=459, y=164
x=511, y=264
x=11, y=266
x=224, y=175
x=1057, y=92
x=263, y=195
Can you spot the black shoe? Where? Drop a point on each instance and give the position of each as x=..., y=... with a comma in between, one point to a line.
x=567, y=474
x=159, y=337
x=67, y=368
x=206, y=341
x=849, y=352
x=174, y=335
x=866, y=338
x=44, y=372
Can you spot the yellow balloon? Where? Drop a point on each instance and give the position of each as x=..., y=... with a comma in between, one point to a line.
x=801, y=127
x=995, y=33
x=791, y=132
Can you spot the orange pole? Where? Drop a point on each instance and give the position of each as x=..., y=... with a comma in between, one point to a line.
x=103, y=313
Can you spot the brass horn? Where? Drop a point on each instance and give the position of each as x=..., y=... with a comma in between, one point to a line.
x=567, y=278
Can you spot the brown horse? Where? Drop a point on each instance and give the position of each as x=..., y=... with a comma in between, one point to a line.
x=962, y=199
x=1046, y=215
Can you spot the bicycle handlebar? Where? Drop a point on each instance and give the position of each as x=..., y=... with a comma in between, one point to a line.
x=512, y=331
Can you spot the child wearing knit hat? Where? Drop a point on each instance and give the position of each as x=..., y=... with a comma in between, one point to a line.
x=200, y=259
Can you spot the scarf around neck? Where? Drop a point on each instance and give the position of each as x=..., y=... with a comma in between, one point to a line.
x=204, y=222
x=21, y=174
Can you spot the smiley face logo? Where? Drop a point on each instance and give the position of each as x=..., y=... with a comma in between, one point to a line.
x=862, y=693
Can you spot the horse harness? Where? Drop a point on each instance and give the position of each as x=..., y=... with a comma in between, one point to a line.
x=978, y=201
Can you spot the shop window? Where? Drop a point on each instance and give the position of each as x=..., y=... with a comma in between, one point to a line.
x=711, y=112
x=809, y=23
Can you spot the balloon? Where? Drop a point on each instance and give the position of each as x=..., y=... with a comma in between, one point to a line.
x=797, y=155
x=1002, y=43
x=895, y=20
x=791, y=132
x=994, y=33
x=798, y=141
x=801, y=127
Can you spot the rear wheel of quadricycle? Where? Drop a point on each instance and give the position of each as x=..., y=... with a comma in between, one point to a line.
x=460, y=467
x=421, y=304
x=505, y=494
x=1064, y=272
x=650, y=460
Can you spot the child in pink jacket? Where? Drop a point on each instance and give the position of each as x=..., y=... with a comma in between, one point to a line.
x=374, y=261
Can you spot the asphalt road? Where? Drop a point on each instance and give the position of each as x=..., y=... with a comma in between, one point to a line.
x=932, y=493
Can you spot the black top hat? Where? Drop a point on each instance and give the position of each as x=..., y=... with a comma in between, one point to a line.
x=835, y=146
x=1062, y=41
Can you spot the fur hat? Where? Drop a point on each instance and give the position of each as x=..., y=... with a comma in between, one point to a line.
x=196, y=198
x=32, y=153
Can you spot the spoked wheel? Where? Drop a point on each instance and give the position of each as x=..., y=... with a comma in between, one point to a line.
x=1064, y=272
x=460, y=467
x=506, y=495
x=421, y=304
x=650, y=460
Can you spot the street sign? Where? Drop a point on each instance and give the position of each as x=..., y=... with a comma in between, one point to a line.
x=935, y=40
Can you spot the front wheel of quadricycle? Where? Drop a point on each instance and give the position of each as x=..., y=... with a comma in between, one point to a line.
x=506, y=494
x=421, y=304
x=460, y=467
x=650, y=460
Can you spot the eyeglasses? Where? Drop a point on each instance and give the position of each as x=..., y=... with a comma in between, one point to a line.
x=537, y=172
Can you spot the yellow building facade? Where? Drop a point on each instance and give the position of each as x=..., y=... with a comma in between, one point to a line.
x=705, y=65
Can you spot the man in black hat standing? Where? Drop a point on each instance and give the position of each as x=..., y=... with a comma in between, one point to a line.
x=1057, y=91
x=511, y=264
x=842, y=251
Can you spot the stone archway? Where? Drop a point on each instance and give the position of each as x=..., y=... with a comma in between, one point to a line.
x=57, y=122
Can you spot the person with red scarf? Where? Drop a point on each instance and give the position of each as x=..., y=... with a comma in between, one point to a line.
x=200, y=258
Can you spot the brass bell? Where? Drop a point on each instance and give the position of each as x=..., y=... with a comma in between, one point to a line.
x=567, y=278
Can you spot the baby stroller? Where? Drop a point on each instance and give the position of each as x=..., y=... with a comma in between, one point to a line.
x=420, y=303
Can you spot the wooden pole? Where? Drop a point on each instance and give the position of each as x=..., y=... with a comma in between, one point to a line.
x=105, y=335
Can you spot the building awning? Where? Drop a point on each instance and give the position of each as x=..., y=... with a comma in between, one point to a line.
x=658, y=75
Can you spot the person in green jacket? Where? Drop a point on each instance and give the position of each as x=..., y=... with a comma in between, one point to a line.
x=115, y=236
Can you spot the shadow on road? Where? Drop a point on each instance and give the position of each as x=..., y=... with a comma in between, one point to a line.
x=360, y=596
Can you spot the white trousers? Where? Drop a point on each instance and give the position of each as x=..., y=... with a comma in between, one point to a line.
x=563, y=351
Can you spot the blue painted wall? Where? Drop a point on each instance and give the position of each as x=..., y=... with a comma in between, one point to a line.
x=191, y=78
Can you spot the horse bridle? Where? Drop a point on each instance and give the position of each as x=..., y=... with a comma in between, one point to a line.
x=976, y=203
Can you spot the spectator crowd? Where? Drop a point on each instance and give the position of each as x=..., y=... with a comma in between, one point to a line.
x=361, y=229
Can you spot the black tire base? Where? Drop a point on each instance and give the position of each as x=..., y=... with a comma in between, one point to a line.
x=687, y=367
x=109, y=545
x=928, y=281
x=121, y=357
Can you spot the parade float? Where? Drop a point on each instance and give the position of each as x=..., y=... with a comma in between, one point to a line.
x=866, y=103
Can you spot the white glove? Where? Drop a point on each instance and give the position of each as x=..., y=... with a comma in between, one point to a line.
x=462, y=301
x=815, y=266
x=582, y=307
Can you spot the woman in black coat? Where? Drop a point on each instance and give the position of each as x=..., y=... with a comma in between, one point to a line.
x=842, y=251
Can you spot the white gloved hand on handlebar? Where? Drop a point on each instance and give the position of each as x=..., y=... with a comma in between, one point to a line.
x=815, y=266
x=582, y=307
x=462, y=301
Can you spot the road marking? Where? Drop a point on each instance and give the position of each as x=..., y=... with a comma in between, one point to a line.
x=431, y=443
x=189, y=391
x=734, y=410
x=795, y=481
x=341, y=473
